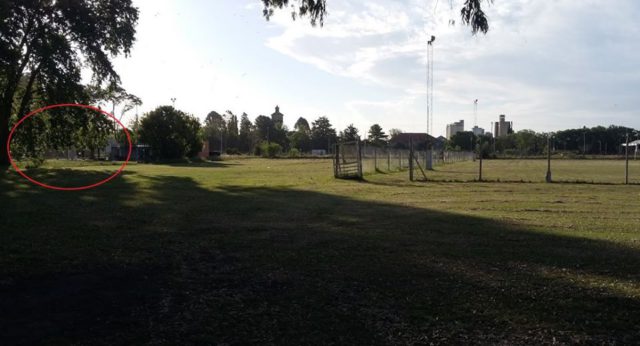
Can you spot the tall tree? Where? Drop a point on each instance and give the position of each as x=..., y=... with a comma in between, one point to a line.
x=323, y=135
x=264, y=128
x=214, y=130
x=316, y=10
x=246, y=134
x=232, y=130
x=349, y=134
x=51, y=41
x=171, y=133
x=301, y=137
x=302, y=125
x=465, y=140
x=377, y=137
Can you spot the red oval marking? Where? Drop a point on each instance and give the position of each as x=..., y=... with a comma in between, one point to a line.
x=24, y=175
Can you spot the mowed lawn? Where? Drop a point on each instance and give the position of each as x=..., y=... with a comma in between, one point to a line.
x=253, y=251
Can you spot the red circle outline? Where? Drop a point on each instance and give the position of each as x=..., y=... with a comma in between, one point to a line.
x=87, y=187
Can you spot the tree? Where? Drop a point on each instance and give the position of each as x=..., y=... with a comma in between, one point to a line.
x=471, y=12
x=377, y=137
x=245, y=138
x=116, y=96
x=264, y=128
x=315, y=9
x=302, y=125
x=393, y=133
x=214, y=129
x=232, y=131
x=465, y=140
x=300, y=140
x=50, y=42
x=349, y=134
x=322, y=134
x=172, y=134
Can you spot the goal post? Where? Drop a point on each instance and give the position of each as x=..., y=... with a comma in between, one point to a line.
x=347, y=162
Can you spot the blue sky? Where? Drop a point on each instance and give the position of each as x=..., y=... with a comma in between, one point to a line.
x=547, y=65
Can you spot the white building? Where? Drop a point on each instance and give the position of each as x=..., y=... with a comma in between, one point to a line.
x=503, y=127
x=478, y=131
x=454, y=128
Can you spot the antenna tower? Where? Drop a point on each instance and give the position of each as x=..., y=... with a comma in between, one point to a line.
x=475, y=113
x=430, y=85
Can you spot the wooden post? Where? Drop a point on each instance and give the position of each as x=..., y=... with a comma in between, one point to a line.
x=626, y=158
x=388, y=160
x=375, y=159
x=359, y=160
x=548, y=178
x=411, y=159
x=336, y=163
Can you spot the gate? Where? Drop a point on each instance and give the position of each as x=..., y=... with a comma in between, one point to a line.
x=347, y=163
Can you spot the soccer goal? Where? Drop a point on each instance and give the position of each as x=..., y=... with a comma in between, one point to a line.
x=347, y=162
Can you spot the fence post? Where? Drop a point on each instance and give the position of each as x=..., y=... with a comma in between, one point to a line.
x=375, y=159
x=548, y=178
x=480, y=153
x=411, y=159
x=336, y=162
x=626, y=158
x=359, y=159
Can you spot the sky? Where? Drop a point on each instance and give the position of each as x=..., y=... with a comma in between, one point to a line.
x=546, y=65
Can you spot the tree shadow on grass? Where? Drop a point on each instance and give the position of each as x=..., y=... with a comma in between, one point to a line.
x=163, y=260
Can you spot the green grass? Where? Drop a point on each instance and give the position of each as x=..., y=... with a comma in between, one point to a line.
x=563, y=170
x=277, y=251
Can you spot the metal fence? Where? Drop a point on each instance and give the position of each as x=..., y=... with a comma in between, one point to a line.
x=376, y=160
x=459, y=166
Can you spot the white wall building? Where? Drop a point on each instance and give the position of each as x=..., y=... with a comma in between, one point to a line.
x=478, y=131
x=454, y=128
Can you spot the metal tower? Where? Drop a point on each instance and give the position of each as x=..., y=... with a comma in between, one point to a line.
x=430, y=85
x=475, y=113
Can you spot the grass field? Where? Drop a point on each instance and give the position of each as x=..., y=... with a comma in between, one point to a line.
x=563, y=170
x=278, y=252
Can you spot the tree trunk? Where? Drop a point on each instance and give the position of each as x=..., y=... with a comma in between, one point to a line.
x=4, y=136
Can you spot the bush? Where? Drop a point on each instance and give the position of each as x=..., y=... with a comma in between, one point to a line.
x=268, y=149
x=34, y=162
x=294, y=152
x=232, y=151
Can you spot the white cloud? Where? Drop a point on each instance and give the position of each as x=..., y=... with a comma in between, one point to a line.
x=540, y=60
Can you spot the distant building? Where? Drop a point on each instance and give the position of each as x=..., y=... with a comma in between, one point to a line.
x=454, y=128
x=478, y=131
x=503, y=127
x=277, y=118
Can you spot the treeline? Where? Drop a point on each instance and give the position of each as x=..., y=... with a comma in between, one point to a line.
x=230, y=134
x=270, y=137
x=597, y=140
